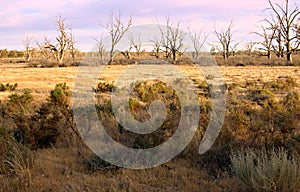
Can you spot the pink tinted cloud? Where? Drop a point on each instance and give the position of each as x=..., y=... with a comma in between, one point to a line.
x=29, y=16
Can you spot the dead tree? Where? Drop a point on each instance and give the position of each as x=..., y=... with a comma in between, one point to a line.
x=116, y=28
x=225, y=39
x=198, y=40
x=28, y=49
x=172, y=39
x=71, y=46
x=63, y=41
x=233, y=48
x=249, y=47
x=136, y=43
x=278, y=43
x=126, y=54
x=287, y=25
x=156, y=47
x=298, y=30
x=100, y=48
x=268, y=38
x=44, y=52
x=279, y=46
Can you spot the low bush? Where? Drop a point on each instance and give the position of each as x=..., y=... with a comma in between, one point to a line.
x=8, y=87
x=60, y=95
x=19, y=103
x=50, y=125
x=267, y=170
x=104, y=87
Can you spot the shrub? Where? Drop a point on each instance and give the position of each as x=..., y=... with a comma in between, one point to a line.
x=104, y=87
x=19, y=103
x=52, y=124
x=19, y=159
x=16, y=162
x=281, y=84
x=8, y=87
x=273, y=170
x=60, y=95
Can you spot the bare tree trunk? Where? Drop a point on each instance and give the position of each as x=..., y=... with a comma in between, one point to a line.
x=172, y=39
x=116, y=29
x=269, y=54
x=287, y=25
x=225, y=40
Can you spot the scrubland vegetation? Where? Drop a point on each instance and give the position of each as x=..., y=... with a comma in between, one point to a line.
x=257, y=149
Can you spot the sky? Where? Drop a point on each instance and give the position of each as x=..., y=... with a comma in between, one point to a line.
x=21, y=18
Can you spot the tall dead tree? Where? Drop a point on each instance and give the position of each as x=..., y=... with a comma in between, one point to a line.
x=116, y=28
x=298, y=30
x=234, y=49
x=63, y=40
x=172, y=39
x=278, y=43
x=225, y=39
x=100, y=48
x=249, y=47
x=287, y=24
x=268, y=37
x=156, y=47
x=44, y=51
x=136, y=43
x=28, y=48
x=198, y=40
x=71, y=46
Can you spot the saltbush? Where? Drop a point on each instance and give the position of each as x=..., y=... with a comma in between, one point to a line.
x=267, y=170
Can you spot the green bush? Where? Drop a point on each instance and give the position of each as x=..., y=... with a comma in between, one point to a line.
x=104, y=87
x=273, y=170
x=50, y=125
x=19, y=103
x=60, y=95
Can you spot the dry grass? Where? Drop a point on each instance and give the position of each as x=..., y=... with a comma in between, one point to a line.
x=42, y=80
x=62, y=169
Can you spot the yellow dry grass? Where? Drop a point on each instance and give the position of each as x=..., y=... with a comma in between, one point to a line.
x=60, y=169
x=41, y=80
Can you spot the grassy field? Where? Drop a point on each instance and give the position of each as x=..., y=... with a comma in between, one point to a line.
x=42, y=80
x=260, y=98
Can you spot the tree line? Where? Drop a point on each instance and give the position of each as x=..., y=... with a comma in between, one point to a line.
x=279, y=33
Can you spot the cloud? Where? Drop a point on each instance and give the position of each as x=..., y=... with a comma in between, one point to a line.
x=19, y=18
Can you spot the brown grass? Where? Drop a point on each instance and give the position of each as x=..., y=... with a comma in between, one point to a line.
x=61, y=169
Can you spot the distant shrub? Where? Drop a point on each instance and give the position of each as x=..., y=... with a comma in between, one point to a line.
x=19, y=103
x=261, y=95
x=60, y=95
x=273, y=170
x=281, y=84
x=8, y=87
x=141, y=96
x=104, y=87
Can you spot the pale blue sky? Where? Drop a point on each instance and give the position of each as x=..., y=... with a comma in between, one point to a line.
x=20, y=18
